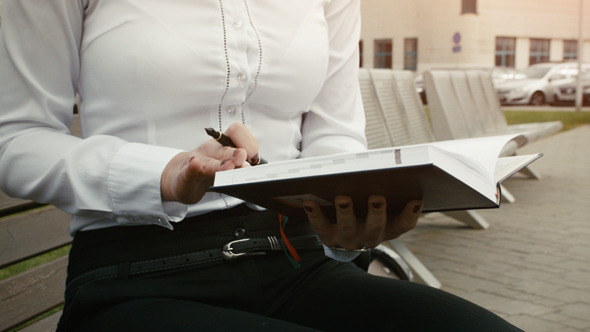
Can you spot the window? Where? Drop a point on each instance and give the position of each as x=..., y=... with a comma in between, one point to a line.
x=570, y=49
x=383, y=53
x=411, y=53
x=505, y=51
x=539, y=51
x=360, y=54
x=468, y=6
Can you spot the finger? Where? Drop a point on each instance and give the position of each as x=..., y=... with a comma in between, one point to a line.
x=320, y=224
x=203, y=166
x=406, y=220
x=237, y=156
x=217, y=153
x=243, y=138
x=192, y=181
x=200, y=172
x=346, y=222
x=374, y=228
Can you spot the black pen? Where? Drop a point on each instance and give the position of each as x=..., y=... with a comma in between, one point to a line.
x=226, y=141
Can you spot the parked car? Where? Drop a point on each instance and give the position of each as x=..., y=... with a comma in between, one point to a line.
x=565, y=94
x=535, y=85
x=502, y=74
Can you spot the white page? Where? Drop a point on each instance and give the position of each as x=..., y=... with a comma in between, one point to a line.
x=506, y=166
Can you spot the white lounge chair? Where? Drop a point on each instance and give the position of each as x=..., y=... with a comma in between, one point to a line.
x=460, y=107
x=533, y=130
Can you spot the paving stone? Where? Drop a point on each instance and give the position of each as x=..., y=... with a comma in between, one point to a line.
x=575, y=295
x=537, y=287
x=520, y=307
x=530, y=323
x=541, y=300
x=578, y=279
x=577, y=309
x=545, y=258
x=556, y=317
x=579, y=324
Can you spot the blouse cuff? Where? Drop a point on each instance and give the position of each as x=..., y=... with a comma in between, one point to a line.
x=340, y=255
x=134, y=186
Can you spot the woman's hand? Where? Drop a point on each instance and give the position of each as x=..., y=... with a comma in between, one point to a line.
x=349, y=234
x=188, y=176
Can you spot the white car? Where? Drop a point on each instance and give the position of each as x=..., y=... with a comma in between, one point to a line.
x=535, y=85
x=565, y=94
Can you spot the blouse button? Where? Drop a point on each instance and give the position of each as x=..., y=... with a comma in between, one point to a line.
x=238, y=24
x=242, y=77
x=231, y=109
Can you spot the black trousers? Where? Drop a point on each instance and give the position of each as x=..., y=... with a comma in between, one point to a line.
x=257, y=293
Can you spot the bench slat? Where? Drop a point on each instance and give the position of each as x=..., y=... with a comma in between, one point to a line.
x=7, y=202
x=47, y=324
x=9, y=205
x=28, y=234
x=31, y=293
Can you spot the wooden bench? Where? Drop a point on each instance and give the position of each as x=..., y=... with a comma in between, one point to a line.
x=28, y=230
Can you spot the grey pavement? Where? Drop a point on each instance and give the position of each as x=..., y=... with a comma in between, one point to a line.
x=532, y=266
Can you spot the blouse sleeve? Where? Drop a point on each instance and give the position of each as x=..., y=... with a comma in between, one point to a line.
x=39, y=159
x=336, y=121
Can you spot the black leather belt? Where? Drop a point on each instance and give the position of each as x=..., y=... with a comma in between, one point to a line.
x=230, y=251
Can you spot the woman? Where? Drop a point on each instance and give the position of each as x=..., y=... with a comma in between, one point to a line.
x=152, y=249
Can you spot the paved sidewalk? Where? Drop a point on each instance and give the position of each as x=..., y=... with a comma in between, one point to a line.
x=532, y=266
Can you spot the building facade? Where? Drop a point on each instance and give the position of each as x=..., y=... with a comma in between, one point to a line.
x=422, y=34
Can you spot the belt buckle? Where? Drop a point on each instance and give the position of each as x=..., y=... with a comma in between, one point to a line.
x=229, y=254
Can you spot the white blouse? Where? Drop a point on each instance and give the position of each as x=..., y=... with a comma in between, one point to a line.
x=151, y=75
